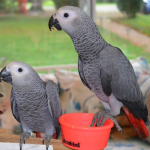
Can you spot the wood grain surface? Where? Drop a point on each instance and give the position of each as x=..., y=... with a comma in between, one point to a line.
x=4, y=137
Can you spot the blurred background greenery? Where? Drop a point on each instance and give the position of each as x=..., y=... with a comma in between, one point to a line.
x=24, y=36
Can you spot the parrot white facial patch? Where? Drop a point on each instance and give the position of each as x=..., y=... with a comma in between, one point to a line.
x=18, y=70
x=63, y=17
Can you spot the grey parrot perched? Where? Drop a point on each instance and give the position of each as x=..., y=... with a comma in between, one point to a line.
x=104, y=69
x=34, y=103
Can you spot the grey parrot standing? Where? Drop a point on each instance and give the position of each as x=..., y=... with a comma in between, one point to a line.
x=34, y=103
x=104, y=69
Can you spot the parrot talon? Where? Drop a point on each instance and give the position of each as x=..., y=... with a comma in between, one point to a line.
x=121, y=131
x=43, y=142
x=24, y=137
x=100, y=118
x=48, y=138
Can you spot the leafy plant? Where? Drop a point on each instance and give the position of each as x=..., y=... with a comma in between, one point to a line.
x=105, y=1
x=130, y=7
x=8, y=5
x=61, y=3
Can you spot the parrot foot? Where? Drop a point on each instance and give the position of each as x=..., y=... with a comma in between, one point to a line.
x=103, y=115
x=24, y=137
x=48, y=138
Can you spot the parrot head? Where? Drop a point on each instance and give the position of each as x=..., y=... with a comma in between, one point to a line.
x=70, y=19
x=18, y=73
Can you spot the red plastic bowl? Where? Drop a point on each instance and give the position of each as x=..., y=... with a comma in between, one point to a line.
x=77, y=135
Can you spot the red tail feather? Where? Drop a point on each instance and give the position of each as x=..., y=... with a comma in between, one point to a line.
x=1, y=112
x=138, y=125
x=55, y=135
x=38, y=135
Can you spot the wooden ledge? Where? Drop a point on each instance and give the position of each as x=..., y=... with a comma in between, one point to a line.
x=4, y=137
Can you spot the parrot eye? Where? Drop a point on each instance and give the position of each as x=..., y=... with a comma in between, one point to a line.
x=20, y=69
x=66, y=15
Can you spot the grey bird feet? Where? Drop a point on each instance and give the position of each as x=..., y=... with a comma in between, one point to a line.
x=48, y=138
x=24, y=137
x=101, y=117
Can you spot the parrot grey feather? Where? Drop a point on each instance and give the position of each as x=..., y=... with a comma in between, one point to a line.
x=106, y=82
x=14, y=108
x=118, y=75
x=80, y=68
x=34, y=103
x=123, y=81
x=54, y=103
x=102, y=67
x=33, y=110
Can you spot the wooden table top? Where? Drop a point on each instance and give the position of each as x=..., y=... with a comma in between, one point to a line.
x=4, y=137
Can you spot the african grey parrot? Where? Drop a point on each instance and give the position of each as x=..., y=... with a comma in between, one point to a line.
x=34, y=103
x=104, y=69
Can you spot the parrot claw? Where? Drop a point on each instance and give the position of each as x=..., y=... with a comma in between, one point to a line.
x=43, y=142
x=24, y=137
x=121, y=131
x=48, y=138
x=101, y=117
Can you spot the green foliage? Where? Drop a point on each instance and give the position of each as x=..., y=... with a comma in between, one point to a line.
x=141, y=23
x=28, y=39
x=2, y=5
x=105, y=1
x=8, y=5
x=48, y=3
x=60, y=3
x=130, y=7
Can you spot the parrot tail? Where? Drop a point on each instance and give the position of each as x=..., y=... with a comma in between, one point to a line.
x=55, y=135
x=58, y=130
x=137, y=124
x=41, y=135
x=38, y=134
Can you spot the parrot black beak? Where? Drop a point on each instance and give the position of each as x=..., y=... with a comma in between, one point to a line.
x=54, y=24
x=5, y=75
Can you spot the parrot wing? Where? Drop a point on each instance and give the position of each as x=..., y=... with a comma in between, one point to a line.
x=54, y=103
x=117, y=77
x=14, y=107
x=80, y=68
